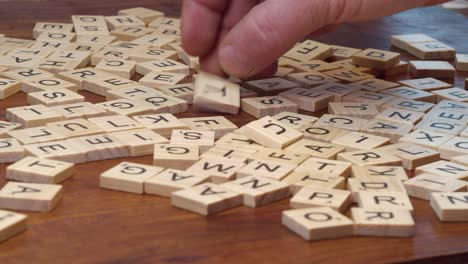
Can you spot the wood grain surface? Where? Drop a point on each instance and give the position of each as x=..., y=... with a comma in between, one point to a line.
x=92, y=225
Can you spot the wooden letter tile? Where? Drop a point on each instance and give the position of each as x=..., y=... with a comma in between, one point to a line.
x=309, y=196
x=11, y=224
x=179, y=157
x=383, y=222
x=30, y=196
x=387, y=201
x=170, y=180
x=10, y=150
x=450, y=207
x=37, y=170
x=271, y=105
x=422, y=185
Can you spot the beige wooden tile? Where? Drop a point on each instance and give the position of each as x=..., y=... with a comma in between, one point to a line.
x=232, y=153
x=434, y=69
x=75, y=128
x=298, y=180
x=348, y=65
x=219, y=170
x=36, y=135
x=271, y=133
x=375, y=185
x=141, y=141
x=271, y=85
x=310, y=196
x=432, y=51
x=338, y=90
x=331, y=168
x=379, y=172
x=127, y=107
x=315, y=149
x=390, y=129
x=342, y=122
x=383, y=222
x=387, y=201
x=370, y=157
x=426, y=138
x=295, y=120
x=158, y=80
x=130, y=33
x=79, y=110
x=115, y=123
x=220, y=125
x=87, y=47
x=11, y=224
x=311, y=79
x=10, y=150
x=266, y=168
x=412, y=155
x=450, y=207
x=349, y=75
x=400, y=115
x=377, y=59
x=54, y=97
x=128, y=177
x=403, y=41
x=238, y=140
x=360, y=141
x=163, y=124
x=445, y=169
x=411, y=93
x=309, y=50
x=168, y=31
x=90, y=25
x=114, y=22
x=156, y=41
x=214, y=94
x=136, y=91
x=203, y=139
x=51, y=27
x=310, y=66
x=6, y=126
x=317, y=223
x=443, y=125
x=461, y=62
x=170, y=180
x=111, y=54
x=341, y=52
x=56, y=36
x=359, y=110
x=184, y=91
x=166, y=22
x=47, y=83
x=422, y=185
x=163, y=65
x=9, y=88
x=26, y=74
x=457, y=146
x=454, y=94
x=145, y=14
x=206, y=199
x=270, y=105
x=258, y=191
x=60, y=150
x=122, y=68
x=32, y=116
x=173, y=156
x=426, y=84
x=37, y=170
x=374, y=85
x=400, y=68
x=103, y=40
x=322, y=133
x=377, y=99
x=151, y=53
x=79, y=75
x=30, y=196
x=279, y=156
x=407, y=104
x=309, y=100
x=100, y=147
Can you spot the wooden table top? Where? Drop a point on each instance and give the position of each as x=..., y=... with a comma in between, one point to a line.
x=93, y=225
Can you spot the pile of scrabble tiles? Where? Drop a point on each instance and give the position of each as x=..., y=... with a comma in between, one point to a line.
x=344, y=172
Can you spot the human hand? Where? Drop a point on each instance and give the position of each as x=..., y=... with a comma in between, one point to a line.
x=244, y=38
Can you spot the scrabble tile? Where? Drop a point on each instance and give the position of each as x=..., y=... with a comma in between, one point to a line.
x=308, y=196
x=10, y=150
x=60, y=150
x=87, y=47
x=404, y=41
x=54, y=97
x=37, y=170
x=280, y=156
x=427, y=139
x=360, y=141
x=206, y=199
x=400, y=68
x=377, y=59
x=444, y=169
x=51, y=27
x=100, y=147
x=295, y=120
x=266, y=168
x=184, y=91
x=383, y=222
x=454, y=94
x=6, y=126
x=170, y=180
x=271, y=105
x=450, y=207
x=151, y=53
x=456, y=146
x=271, y=85
x=163, y=124
x=162, y=103
x=434, y=69
x=315, y=149
x=408, y=104
x=165, y=22
x=203, y=139
x=111, y=54
x=431, y=51
x=219, y=170
x=238, y=140
x=115, y=123
x=104, y=86
x=128, y=177
x=258, y=191
x=441, y=114
x=317, y=223
x=164, y=65
x=30, y=196
x=90, y=39
x=311, y=66
x=359, y=110
x=422, y=185
x=79, y=75
x=462, y=160
x=127, y=107
x=56, y=36
x=342, y=122
x=130, y=33
x=15, y=62
x=388, y=129
x=271, y=133
x=47, y=83
x=30, y=116
x=11, y=224
x=298, y=180
x=375, y=185
x=114, y=22
x=308, y=100
x=141, y=141
x=448, y=127
x=214, y=94
x=75, y=128
x=233, y=153
x=349, y=75
x=122, y=68
x=173, y=156
x=310, y=79
x=90, y=25
x=35, y=135
x=341, y=52
x=9, y=88
x=400, y=115
x=322, y=133
x=145, y=14
x=379, y=172
x=377, y=99
x=349, y=65
x=387, y=201
x=220, y=125
x=159, y=80
x=426, y=84
x=156, y=41
x=374, y=85
x=309, y=50
x=79, y=110
x=168, y=31
x=462, y=62
x=370, y=157
x=412, y=155
x=338, y=90
x=411, y=93
x=331, y=168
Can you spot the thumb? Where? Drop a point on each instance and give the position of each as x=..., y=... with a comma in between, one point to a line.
x=272, y=27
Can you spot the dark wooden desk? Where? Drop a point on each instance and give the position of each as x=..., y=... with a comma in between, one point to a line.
x=100, y=226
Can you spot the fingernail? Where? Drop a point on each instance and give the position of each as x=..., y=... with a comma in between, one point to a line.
x=230, y=61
